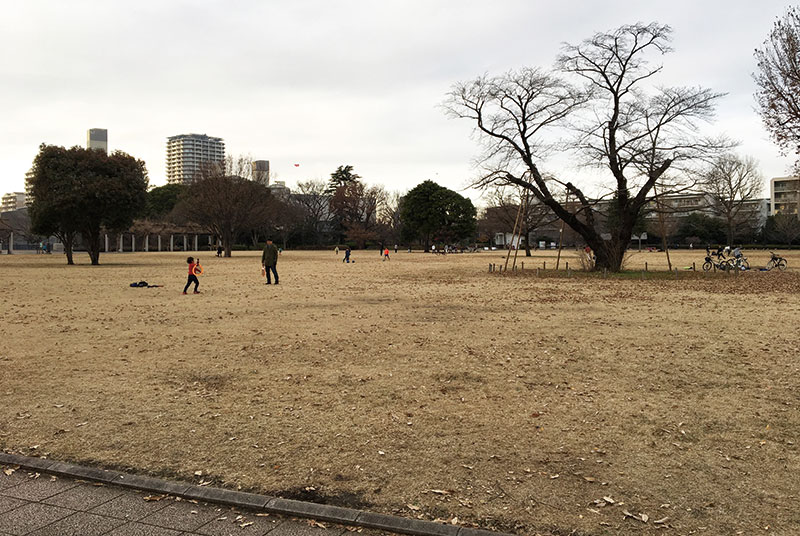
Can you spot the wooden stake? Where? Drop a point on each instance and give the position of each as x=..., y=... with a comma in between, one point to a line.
x=524, y=207
x=516, y=222
x=661, y=225
x=561, y=234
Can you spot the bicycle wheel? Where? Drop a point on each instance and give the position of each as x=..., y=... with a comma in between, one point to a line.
x=781, y=264
x=745, y=264
x=707, y=266
x=770, y=265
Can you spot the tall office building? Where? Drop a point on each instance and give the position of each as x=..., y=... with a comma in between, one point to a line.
x=187, y=152
x=97, y=138
x=261, y=171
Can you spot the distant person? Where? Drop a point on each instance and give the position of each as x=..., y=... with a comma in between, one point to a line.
x=192, y=277
x=219, y=251
x=395, y=248
x=269, y=260
x=336, y=250
x=346, y=255
x=386, y=254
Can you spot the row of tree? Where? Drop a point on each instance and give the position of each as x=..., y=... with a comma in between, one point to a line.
x=81, y=193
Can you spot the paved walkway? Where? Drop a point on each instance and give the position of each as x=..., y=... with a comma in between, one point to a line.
x=44, y=505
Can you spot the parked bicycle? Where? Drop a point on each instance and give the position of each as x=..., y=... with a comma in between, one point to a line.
x=776, y=261
x=721, y=263
x=739, y=261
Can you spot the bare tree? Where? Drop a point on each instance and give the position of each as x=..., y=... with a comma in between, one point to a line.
x=504, y=205
x=786, y=228
x=778, y=79
x=731, y=184
x=314, y=203
x=357, y=207
x=639, y=138
x=389, y=218
x=224, y=201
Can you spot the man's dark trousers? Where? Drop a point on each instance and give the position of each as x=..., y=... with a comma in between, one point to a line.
x=274, y=271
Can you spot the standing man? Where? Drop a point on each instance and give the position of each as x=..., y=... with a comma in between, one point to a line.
x=269, y=260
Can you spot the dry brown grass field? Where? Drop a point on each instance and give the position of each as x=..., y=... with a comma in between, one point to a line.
x=423, y=386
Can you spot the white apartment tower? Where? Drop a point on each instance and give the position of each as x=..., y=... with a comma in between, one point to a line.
x=97, y=138
x=12, y=201
x=187, y=152
x=785, y=195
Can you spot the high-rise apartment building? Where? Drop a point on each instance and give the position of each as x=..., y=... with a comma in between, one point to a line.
x=97, y=138
x=186, y=153
x=785, y=195
x=261, y=171
x=12, y=201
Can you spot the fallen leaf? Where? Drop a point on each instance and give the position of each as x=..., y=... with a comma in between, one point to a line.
x=661, y=521
x=243, y=525
x=198, y=473
x=609, y=500
x=589, y=479
x=317, y=524
x=9, y=471
x=440, y=491
x=82, y=424
x=554, y=476
x=153, y=497
x=412, y=507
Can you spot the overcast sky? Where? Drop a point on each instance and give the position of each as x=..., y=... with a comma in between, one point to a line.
x=323, y=83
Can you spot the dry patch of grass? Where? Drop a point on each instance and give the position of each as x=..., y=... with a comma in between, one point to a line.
x=423, y=386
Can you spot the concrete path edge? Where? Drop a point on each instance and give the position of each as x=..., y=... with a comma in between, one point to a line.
x=250, y=501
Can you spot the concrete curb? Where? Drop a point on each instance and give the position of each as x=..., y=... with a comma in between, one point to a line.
x=250, y=501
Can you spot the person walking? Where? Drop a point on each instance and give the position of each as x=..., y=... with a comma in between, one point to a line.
x=386, y=254
x=269, y=261
x=346, y=255
x=336, y=250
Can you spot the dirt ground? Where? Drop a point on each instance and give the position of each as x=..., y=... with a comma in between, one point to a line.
x=423, y=386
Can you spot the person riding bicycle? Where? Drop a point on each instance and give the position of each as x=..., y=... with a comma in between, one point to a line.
x=737, y=252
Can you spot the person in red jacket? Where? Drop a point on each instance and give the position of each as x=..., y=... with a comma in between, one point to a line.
x=386, y=254
x=192, y=277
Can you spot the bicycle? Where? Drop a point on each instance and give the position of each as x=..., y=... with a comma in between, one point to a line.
x=739, y=263
x=720, y=264
x=776, y=261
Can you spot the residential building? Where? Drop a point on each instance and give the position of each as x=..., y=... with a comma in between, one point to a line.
x=186, y=154
x=12, y=201
x=279, y=189
x=784, y=195
x=97, y=138
x=261, y=171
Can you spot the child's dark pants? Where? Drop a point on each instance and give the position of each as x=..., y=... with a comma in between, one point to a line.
x=192, y=279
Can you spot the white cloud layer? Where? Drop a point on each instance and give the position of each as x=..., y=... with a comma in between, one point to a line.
x=328, y=82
